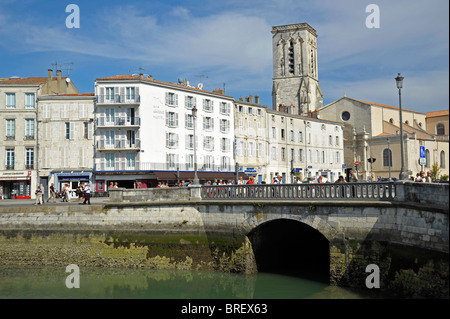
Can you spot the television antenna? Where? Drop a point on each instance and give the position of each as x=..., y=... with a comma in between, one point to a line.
x=68, y=67
x=138, y=72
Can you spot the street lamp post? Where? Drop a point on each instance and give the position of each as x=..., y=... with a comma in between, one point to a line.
x=399, y=80
x=194, y=116
x=390, y=158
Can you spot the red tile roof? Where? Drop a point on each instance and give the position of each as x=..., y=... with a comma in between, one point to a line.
x=29, y=80
x=438, y=113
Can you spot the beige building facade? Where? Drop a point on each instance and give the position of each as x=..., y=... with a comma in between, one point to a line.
x=372, y=131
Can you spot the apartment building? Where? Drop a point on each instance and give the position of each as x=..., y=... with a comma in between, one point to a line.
x=145, y=132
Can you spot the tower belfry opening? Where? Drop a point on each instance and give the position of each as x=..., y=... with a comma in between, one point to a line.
x=295, y=78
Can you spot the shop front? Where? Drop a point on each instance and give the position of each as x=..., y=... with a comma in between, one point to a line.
x=73, y=178
x=16, y=184
x=138, y=179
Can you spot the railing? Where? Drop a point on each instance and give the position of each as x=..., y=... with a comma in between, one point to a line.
x=118, y=145
x=118, y=98
x=341, y=191
x=118, y=121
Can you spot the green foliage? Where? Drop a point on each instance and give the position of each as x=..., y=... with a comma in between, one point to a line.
x=435, y=171
x=431, y=281
x=444, y=177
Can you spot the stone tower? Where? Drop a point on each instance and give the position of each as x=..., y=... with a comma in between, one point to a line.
x=295, y=78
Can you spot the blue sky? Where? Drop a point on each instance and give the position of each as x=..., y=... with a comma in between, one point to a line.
x=230, y=42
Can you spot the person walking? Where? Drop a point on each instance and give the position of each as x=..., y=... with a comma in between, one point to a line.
x=39, y=194
x=428, y=178
x=87, y=194
x=52, y=194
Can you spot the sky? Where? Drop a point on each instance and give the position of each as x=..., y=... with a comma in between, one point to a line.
x=227, y=44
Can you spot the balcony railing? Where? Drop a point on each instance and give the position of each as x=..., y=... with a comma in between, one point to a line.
x=118, y=145
x=332, y=192
x=9, y=166
x=118, y=121
x=118, y=98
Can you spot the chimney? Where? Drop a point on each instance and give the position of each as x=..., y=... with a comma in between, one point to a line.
x=241, y=99
x=256, y=99
x=150, y=77
x=58, y=74
x=141, y=75
x=250, y=98
x=50, y=74
x=59, y=81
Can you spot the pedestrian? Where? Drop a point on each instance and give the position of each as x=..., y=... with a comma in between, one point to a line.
x=353, y=177
x=111, y=185
x=428, y=178
x=420, y=177
x=87, y=193
x=1, y=192
x=68, y=190
x=116, y=185
x=39, y=193
x=52, y=193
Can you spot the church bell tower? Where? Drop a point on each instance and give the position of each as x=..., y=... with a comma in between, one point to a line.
x=296, y=87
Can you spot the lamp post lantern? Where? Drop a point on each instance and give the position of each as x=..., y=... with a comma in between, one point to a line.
x=399, y=80
x=194, y=116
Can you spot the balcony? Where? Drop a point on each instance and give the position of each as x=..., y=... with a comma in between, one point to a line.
x=118, y=121
x=119, y=145
x=118, y=99
x=9, y=167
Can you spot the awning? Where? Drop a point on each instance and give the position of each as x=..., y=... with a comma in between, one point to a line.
x=203, y=176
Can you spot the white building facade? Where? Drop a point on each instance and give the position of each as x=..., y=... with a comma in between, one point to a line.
x=145, y=132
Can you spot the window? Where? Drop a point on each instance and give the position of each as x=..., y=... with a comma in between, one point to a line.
x=190, y=161
x=110, y=115
x=190, y=102
x=282, y=133
x=208, y=123
x=29, y=129
x=330, y=139
x=427, y=155
x=345, y=116
x=29, y=100
x=208, y=143
x=190, y=142
x=10, y=100
x=109, y=94
x=292, y=155
x=45, y=111
x=338, y=158
x=189, y=121
x=64, y=111
x=251, y=149
x=29, y=158
x=259, y=112
x=110, y=138
x=171, y=161
x=440, y=129
x=300, y=155
x=171, y=119
x=225, y=144
x=110, y=160
x=10, y=129
x=67, y=125
x=273, y=153
x=337, y=140
x=225, y=108
x=171, y=99
x=300, y=137
x=208, y=105
x=387, y=157
x=86, y=130
x=9, y=158
x=291, y=136
x=171, y=140
x=209, y=161
x=283, y=151
x=130, y=94
x=224, y=163
x=260, y=149
x=131, y=159
x=225, y=126
x=442, y=155
x=241, y=149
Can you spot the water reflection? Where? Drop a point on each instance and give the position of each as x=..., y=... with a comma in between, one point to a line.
x=49, y=282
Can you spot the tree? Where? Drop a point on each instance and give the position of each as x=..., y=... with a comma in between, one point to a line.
x=435, y=171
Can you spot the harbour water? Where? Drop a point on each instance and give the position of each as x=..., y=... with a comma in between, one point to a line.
x=100, y=283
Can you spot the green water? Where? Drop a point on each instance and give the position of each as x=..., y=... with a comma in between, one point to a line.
x=49, y=283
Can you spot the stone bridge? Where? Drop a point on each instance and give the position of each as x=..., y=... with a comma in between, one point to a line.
x=330, y=231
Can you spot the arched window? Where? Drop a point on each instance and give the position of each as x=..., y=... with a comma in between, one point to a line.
x=427, y=155
x=387, y=157
x=440, y=129
x=442, y=159
x=391, y=121
x=407, y=122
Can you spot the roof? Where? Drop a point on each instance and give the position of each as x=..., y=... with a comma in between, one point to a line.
x=172, y=175
x=438, y=113
x=137, y=78
x=29, y=80
x=78, y=94
x=304, y=117
x=371, y=103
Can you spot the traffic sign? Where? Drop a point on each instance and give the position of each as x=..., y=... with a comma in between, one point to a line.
x=356, y=163
x=423, y=156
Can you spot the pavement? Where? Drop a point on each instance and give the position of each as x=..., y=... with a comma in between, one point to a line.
x=59, y=202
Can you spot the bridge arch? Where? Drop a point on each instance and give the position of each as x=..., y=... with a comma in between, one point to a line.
x=290, y=246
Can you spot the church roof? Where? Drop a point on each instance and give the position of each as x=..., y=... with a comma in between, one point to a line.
x=372, y=104
x=438, y=113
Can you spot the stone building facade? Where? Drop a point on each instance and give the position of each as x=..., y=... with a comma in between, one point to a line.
x=296, y=87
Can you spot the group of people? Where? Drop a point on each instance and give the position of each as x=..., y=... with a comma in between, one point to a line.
x=83, y=191
x=420, y=177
